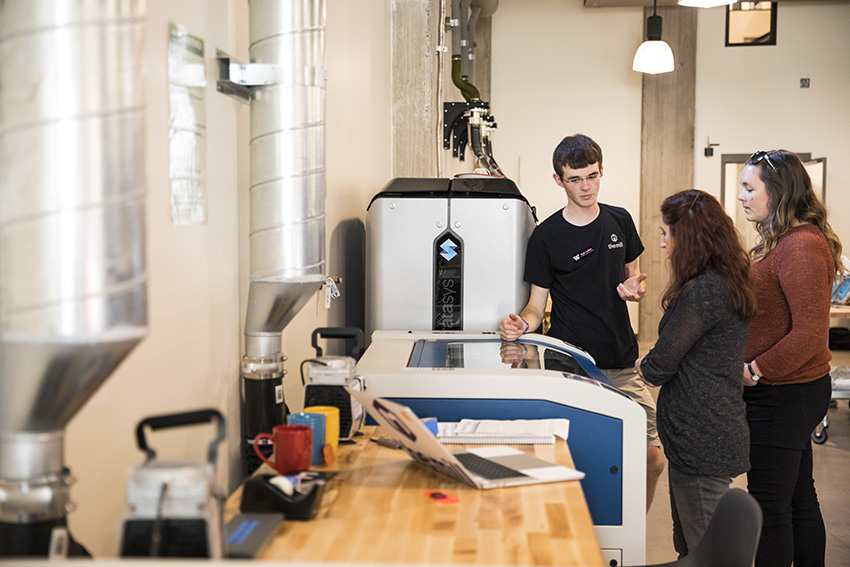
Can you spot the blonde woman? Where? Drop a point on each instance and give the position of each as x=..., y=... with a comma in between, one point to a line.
x=786, y=362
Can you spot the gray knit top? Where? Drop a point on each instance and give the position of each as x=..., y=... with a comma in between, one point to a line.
x=698, y=361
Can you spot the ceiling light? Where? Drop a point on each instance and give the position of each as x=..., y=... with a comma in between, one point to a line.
x=705, y=3
x=653, y=56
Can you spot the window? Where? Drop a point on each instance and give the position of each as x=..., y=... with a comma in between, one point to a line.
x=751, y=23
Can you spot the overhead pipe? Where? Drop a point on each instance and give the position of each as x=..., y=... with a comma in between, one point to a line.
x=458, y=23
x=469, y=92
x=468, y=51
x=287, y=229
x=475, y=123
x=73, y=281
x=487, y=7
x=466, y=41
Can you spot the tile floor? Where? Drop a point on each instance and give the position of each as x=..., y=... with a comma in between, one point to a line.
x=832, y=481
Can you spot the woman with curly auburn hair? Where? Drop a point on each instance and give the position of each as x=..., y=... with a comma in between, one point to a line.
x=786, y=368
x=708, y=304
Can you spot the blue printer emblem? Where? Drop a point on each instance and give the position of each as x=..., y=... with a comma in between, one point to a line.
x=449, y=248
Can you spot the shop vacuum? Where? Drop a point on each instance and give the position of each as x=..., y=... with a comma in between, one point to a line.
x=174, y=508
x=328, y=376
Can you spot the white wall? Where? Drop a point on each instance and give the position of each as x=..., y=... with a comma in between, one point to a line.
x=749, y=98
x=558, y=69
x=190, y=358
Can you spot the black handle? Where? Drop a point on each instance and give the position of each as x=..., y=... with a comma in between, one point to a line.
x=178, y=420
x=340, y=333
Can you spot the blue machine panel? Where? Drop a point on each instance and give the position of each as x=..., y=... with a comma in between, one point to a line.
x=595, y=442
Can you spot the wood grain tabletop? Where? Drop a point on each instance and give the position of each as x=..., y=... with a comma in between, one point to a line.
x=378, y=509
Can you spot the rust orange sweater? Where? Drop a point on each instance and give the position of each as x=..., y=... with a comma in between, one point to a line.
x=788, y=337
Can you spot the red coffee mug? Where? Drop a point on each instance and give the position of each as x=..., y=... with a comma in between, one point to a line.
x=293, y=448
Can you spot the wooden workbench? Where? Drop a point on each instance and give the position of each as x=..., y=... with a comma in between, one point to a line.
x=839, y=312
x=377, y=510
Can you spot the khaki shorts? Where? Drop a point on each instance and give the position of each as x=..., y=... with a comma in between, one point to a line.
x=627, y=381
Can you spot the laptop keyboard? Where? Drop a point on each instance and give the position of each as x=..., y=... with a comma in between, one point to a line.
x=485, y=467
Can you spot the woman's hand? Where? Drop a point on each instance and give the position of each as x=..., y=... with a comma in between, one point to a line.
x=747, y=379
x=639, y=372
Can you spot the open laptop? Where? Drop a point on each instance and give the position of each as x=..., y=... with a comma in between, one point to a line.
x=481, y=467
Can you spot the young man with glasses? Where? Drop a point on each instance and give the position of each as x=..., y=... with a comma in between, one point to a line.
x=586, y=257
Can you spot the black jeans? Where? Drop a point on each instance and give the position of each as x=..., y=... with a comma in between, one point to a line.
x=781, y=420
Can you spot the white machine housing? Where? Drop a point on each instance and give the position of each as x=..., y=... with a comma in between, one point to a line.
x=607, y=436
x=446, y=254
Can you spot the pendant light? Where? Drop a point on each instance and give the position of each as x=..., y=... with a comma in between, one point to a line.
x=705, y=3
x=653, y=56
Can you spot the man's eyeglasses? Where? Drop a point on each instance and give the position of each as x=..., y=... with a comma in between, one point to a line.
x=575, y=180
x=761, y=155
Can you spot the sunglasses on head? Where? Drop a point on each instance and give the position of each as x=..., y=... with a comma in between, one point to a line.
x=761, y=155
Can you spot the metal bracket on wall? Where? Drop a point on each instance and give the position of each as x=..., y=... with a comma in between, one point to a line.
x=455, y=121
x=236, y=79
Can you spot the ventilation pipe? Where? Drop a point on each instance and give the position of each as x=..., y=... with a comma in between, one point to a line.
x=461, y=44
x=287, y=235
x=72, y=267
x=486, y=7
x=467, y=50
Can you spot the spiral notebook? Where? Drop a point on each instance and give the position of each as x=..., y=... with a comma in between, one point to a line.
x=500, y=432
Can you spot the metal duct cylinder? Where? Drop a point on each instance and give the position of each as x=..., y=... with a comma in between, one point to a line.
x=287, y=161
x=287, y=235
x=72, y=268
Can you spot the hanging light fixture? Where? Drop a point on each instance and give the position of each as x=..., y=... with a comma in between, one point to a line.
x=705, y=3
x=653, y=56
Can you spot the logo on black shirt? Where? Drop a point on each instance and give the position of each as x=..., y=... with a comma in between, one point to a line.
x=615, y=244
x=583, y=253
